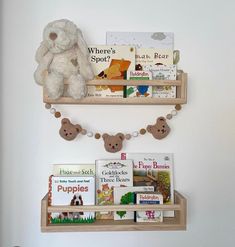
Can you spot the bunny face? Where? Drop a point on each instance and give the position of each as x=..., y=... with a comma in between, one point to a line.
x=60, y=35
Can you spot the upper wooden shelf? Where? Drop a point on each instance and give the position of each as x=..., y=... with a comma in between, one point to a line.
x=178, y=222
x=180, y=83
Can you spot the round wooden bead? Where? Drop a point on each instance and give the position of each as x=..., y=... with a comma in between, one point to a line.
x=57, y=114
x=178, y=107
x=142, y=131
x=52, y=110
x=97, y=136
x=48, y=106
x=83, y=132
x=128, y=136
x=169, y=116
x=89, y=134
x=135, y=134
x=173, y=113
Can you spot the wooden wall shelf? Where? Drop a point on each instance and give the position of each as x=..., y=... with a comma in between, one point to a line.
x=175, y=223
x=180, y=83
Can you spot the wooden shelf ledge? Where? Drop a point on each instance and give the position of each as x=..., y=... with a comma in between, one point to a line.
x=178, y=222
x=180, y=83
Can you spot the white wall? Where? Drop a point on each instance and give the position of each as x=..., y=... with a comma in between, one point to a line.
x=202, y=138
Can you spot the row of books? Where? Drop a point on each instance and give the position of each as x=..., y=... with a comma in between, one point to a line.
x=127, y=53
x=141, y=178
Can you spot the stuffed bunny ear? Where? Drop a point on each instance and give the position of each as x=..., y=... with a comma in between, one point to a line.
x=83, y=54
x=82, y=44
x=41, y=52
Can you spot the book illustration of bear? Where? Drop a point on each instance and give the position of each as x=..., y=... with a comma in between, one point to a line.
x=105, y=196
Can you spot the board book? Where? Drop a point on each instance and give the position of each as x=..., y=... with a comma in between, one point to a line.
x=124, y=196
x=110, y=174
x=149, y=215
x=71, y=191
x=154, y=169
x=110, y=63
x=140, y=90
x=73, y=169
x=164, y=72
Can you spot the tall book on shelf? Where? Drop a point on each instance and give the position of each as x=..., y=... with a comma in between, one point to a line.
x=154, y=169
x=110, y=174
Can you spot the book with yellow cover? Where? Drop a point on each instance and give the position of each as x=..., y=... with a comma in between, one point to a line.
x=110, y=63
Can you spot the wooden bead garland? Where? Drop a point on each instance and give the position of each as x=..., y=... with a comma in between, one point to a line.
x=128, y=136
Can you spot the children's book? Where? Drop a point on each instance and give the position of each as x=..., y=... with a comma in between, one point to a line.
x=73, y=170
x=140, y=90
x=71, y=191
x=162, y=44
x=126, y=195
x=149, y=215
x=160, y=40
x=110, y=174
x=164, y=72
x=110, y=63
x=154, y=169
x=147, y=57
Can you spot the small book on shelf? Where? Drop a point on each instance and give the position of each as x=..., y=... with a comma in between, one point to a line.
x=150, y=198
x=71, y=191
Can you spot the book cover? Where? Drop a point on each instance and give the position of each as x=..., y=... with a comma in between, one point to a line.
x=154, y=169
x=71, y=191
x=149, y=215
x=140, y=90
x=110, y=63
x=147, y=57
x=73, y=169
x=124, y=196
x=163, y=72
x=110, y=174
x=160, y=40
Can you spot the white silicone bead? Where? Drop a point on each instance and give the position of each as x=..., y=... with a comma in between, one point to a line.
x=135, y=134
x=173, y=112
x=52, y=110
x=89, y=134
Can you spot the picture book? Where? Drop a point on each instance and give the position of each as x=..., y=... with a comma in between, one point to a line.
x=154, y=169
x=164, y=72
x=73, y=170
x=160, y=40
x=71, y=191
x=149, y=215
x=110, y=174
x=140, y=90
x=147, y=57
x=126, y=195
x=110, y=63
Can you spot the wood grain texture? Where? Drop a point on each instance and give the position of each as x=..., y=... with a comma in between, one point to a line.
x=175, y=223
x=180, y=83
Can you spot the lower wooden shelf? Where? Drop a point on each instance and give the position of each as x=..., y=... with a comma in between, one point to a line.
x=178, y=222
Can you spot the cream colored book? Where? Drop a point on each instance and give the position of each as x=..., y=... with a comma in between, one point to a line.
x=148, y=57
x=73, y=170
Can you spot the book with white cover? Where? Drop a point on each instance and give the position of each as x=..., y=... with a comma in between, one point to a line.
x=109, y=174
x=161, y=40
x=71, y=191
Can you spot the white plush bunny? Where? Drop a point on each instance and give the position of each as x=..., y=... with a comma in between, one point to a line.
x=63, y=54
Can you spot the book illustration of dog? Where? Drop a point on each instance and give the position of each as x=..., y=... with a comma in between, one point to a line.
x=76, y=201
